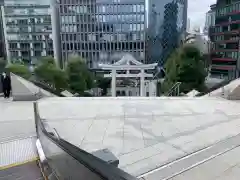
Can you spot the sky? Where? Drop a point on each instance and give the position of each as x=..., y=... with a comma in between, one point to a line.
x=197, y=11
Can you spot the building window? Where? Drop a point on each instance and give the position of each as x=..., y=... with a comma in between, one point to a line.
x=101, y=9
x=91, y=37
x=142, y=8
x=134, y=8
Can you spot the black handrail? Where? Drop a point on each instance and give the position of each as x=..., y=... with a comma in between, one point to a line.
x=97, y=168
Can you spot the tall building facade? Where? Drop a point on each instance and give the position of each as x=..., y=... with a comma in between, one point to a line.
x=2, y=39
x=100, y=31
x=210, y=19
x=188, y=25
x=166, y=23
x=27, y=30
x=169, y=40
x=225, y=37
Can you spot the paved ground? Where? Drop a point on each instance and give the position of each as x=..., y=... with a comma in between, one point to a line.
x=196, y=160
x=16, y=119
x=16, y=142
x=144, y=133
x=224, y=167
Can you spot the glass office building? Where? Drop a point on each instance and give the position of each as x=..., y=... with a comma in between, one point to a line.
x=101, y=31
x=27, y=30
x=166, y=24
x=2, y=40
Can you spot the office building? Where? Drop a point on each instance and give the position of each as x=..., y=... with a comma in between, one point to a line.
x=210, y=19
x=2, y=40
x=188, y=25
x=166, y=24
x=27, y=30
x=225, y=37
x=102, y=31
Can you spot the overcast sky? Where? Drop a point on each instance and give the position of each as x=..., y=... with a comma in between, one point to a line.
x=197, y=11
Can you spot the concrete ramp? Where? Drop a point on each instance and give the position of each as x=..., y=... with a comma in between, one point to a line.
x=235, y=93
x=230, y=91
x=23, y=90
x=192, y=93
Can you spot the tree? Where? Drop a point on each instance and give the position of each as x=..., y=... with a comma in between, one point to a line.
x=185, y=65
x=79, y=77
x=48, y=72
x=2, y=64
x=20, y=70
x=103, y=83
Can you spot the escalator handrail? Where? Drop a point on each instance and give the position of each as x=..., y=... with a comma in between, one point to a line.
x=96, y=165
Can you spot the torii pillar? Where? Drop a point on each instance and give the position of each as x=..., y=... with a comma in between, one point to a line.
x=142, y=83
x=113, y=85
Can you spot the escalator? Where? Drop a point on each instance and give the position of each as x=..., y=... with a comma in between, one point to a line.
x=19, y=159
x=25, y=171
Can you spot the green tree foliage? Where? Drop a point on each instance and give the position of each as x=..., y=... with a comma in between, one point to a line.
x=2, y=64
x=185, y=65
x=79, y=77
x=103, y=83
x=19, y=70
x=48, y=72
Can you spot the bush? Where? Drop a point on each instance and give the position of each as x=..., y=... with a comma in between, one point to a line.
x=185, y=65
x=19, y=70
x=49, y=73
x=79, y=77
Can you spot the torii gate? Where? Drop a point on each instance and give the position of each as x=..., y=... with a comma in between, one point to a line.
x=127, y=63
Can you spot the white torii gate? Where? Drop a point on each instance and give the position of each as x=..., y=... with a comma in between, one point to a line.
x=127, y=63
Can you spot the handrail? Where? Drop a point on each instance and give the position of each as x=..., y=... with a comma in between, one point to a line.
x=78, y=162
x=174, y=88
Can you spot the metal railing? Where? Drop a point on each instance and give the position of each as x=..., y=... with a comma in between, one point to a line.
x=174, y=90
x=67, y=161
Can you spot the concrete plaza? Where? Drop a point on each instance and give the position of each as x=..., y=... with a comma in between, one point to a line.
x=144, y=133
x=222, y=167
